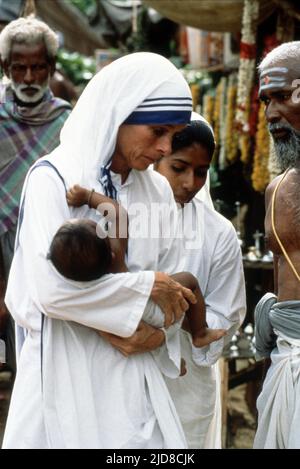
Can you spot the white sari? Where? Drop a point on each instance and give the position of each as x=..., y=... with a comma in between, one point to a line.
x=76, y=391
x=213, y=255
x=217, y=264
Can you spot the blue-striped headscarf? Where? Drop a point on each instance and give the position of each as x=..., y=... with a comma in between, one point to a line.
x=140, y=88
x=161, y=110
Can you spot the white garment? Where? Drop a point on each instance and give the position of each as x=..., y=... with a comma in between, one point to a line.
x=43, y=289
x=217, y=264
x=69, y=412
x=278, y=404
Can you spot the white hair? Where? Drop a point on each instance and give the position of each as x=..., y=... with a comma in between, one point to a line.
x=286, y=54
x=29, y=31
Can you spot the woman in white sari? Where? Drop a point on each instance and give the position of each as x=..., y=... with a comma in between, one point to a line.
x=213, y=255
x=66, y=393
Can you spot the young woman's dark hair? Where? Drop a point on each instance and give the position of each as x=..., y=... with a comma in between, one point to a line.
x=195, y=132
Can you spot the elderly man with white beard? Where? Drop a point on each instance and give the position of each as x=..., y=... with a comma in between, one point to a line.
x=30, y=123
x=278, y=315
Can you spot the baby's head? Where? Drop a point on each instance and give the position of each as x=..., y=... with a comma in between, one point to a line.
x=78, y=253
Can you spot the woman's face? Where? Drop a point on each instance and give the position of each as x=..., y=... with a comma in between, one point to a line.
x=186, y=171
x=138, y=146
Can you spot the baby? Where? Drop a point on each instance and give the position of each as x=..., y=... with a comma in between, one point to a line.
x=82, y=251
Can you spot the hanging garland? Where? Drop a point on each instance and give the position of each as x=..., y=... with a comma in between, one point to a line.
x=246, y=73
x=223, y=95
x=231, y=143
x=218, y=118
x=260, y=175
x=208, y=108
x=217, y=113
x=195, y=90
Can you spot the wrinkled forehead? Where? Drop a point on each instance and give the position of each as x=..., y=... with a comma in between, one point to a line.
x=22, y=51
x=275, y=78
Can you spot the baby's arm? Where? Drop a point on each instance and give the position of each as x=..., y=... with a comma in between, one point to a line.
x=195, y=321
x=115, y=215
x=78, y=196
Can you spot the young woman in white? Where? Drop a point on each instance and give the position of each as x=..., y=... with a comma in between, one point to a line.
x=213, y=255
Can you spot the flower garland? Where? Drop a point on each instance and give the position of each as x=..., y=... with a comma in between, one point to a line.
x=217, y=119
x=246, y=72
x=244, y=141
x=208, y=108
x=222, y=120
x=260, y=175
x=231, y=143
x=217, y=113
x=254, y=109
x=195, y=90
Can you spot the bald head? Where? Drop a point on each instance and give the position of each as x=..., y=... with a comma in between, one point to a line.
x=287, y=55
x=280, y=67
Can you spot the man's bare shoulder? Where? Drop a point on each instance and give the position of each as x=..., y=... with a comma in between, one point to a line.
x=270, y=189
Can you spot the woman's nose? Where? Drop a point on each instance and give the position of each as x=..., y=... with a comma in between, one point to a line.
x=189, y=180
x=165, y=145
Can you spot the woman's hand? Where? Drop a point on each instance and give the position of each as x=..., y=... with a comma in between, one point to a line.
x=172, y=298
x=77, y=196
x=145, y=339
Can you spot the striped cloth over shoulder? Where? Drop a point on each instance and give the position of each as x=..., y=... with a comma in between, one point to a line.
x=26, y=134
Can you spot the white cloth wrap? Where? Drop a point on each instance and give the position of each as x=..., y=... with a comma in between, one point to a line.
x=82, y=359
x=213, y=255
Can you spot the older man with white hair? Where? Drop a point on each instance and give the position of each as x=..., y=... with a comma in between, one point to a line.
x=278, y=315
x=30, y=123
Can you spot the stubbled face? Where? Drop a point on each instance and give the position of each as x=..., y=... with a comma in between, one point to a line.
x=186, y=171
x=29, y=70
x=282, y=113
x=139, y=146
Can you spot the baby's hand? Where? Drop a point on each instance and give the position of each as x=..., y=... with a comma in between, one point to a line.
x=77, y=196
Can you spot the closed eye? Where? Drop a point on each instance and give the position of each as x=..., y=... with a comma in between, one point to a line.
x=159, y=131
x=178, y=169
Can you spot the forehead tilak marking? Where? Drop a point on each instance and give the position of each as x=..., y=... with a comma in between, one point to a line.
x=273, y=77
x=274, y=70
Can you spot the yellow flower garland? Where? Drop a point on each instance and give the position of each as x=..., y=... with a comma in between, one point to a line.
x=216, y=116
x=260, y=175
x=208, y=108
x=195, y=90
x=231, y=143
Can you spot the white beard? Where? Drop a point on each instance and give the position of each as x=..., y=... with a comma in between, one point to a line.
x=19, y=88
